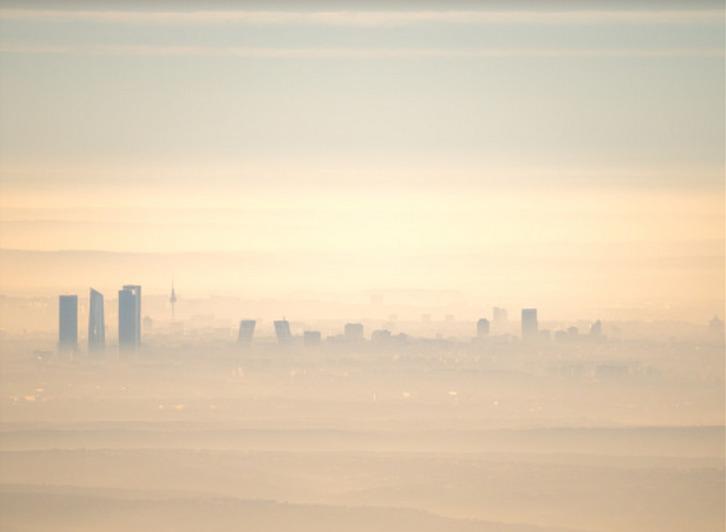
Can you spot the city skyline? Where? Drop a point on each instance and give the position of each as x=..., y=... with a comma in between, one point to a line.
x=129, y=329
x=362, y=265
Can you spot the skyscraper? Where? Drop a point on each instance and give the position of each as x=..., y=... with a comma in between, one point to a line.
x=96, y=323
x=530, y=328
x=246, y=331
x=129, y=318
x=282, y=331
x=68, y=323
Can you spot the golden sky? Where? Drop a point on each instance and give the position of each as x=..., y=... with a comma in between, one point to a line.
x=551, y=156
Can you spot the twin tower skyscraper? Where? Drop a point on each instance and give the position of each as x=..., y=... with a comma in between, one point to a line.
x=129, y=321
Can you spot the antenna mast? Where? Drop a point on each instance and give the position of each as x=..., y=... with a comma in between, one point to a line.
x=172, y=300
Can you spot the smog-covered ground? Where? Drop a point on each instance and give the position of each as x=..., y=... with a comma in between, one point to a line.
x=198, y=432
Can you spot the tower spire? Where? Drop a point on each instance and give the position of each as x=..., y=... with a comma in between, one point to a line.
x=172, y=300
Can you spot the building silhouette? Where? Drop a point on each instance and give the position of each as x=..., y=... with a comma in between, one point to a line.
x=246, y=332
x=530, y=327
x=500, y=315
x=68, y=323
x=172, y=301
x=96, y=323
x=354, y=332
x=381, y=337
x=312, y=338
x=482, y=328
x=129, y=318
x=282, y=332
x=716, y=325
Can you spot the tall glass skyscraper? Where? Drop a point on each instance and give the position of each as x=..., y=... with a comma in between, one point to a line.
x=68, y=322
x=129, y=318
x=246, y=331
x=96, y=324
x=282, y=331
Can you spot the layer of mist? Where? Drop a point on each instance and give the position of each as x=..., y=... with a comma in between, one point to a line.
x=195, y=431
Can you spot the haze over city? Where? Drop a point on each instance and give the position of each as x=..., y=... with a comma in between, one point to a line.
x=362, y=266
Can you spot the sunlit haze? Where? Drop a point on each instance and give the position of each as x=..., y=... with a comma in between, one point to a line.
x=344, y=265
x=566, y=157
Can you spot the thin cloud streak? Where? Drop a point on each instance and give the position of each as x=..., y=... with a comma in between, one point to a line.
x=345, y=53
x=369, y=18
x=36, y=49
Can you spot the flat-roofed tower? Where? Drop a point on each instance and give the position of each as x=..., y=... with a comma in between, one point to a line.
x=353, y=332
x=530, y=327
x=68, y=323
x=129, y=318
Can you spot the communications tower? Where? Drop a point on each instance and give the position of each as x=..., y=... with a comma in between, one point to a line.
x=172, y=300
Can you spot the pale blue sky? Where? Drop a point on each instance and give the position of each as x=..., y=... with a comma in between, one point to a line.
x=622, y=88
x=541, y=134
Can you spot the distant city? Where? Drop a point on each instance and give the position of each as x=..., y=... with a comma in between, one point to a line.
x=130, y=327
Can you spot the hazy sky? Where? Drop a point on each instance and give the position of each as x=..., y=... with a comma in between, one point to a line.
x=461, y=142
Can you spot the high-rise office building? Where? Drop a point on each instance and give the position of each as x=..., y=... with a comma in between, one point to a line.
x=282, y=331
x=96, y=323
x=530, y=327
x=246, y=332
x=129, y=318
x=482, y=328
x=68, y=323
